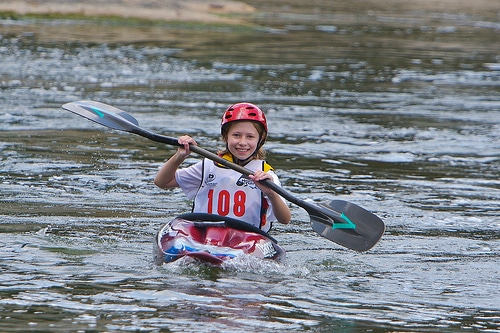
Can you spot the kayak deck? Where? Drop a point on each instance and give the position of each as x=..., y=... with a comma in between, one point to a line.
x=213, y=239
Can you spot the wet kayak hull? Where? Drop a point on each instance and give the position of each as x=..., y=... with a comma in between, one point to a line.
x=213, y=239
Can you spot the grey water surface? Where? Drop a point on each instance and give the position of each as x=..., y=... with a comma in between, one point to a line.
x=404, y=122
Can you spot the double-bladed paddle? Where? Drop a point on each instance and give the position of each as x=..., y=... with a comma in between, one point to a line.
x=339, y=221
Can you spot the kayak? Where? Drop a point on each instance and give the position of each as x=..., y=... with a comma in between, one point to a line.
x=213, y=239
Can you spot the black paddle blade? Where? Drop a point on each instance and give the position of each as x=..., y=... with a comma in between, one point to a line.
x=103, y=114
x=360, y=230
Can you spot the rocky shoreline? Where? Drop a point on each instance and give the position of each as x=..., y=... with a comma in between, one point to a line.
x=164, y=10
x=229, y=11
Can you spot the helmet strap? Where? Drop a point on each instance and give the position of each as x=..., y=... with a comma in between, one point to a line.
x=245, y=161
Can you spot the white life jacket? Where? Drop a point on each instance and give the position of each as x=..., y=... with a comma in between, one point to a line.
x=226, y=192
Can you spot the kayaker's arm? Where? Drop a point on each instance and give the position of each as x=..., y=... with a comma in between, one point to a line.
x=165, y=178
x=280, y=208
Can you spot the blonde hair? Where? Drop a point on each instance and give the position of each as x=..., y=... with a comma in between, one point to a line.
x=260, y=153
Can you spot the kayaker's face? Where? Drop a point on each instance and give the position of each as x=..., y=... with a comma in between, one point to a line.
x=242, y=139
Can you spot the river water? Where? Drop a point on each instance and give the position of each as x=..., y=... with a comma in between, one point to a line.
x=399, y=117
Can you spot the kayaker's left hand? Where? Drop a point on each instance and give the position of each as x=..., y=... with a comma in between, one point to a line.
x=280, y=208
x=261, y=175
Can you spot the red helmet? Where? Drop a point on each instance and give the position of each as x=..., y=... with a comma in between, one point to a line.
x=244, y=111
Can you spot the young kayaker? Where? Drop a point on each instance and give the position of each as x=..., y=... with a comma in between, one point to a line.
x=219, y=190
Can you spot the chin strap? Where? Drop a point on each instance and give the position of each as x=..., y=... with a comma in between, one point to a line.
x=228, y=156
x=243, y=162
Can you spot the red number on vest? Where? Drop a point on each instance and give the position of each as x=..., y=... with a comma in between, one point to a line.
x=224, y=203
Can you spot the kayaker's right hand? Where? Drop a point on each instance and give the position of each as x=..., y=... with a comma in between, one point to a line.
x=185, y=140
